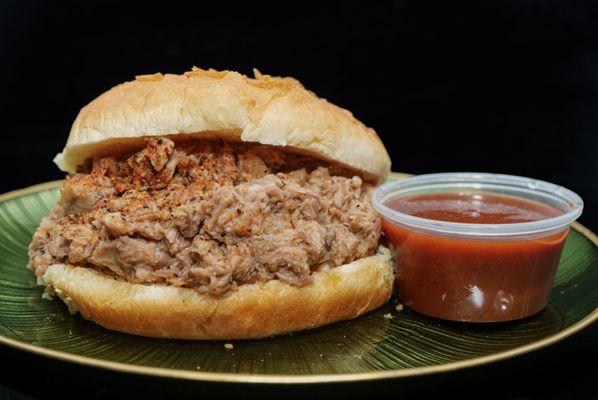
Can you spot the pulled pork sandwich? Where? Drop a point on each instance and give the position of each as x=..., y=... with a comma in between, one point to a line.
x=210, y=205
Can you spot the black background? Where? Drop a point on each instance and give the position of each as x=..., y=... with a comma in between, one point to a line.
x=508, y=86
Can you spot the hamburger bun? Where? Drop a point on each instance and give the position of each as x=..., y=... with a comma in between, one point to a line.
x=223, y=104
x=251, y=312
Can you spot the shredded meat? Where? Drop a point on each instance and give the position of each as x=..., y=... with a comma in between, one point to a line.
x=209, y=216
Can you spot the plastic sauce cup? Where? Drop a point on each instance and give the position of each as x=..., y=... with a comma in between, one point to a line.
x=476, y=272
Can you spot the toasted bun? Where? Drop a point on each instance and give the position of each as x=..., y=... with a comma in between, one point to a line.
x=253, y=311
x=223, y=104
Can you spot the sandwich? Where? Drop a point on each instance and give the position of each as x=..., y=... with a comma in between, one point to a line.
x=212, y=205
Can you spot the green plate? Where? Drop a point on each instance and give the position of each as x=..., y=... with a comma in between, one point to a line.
x=373, y=346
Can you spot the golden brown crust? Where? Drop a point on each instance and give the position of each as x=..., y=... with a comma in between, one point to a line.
x=205, y=104
x=253, y=311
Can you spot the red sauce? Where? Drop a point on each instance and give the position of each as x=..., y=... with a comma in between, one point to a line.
x=476, y=208
x=467, y=279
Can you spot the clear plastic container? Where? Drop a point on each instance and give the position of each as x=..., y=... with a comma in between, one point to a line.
x=470, y=271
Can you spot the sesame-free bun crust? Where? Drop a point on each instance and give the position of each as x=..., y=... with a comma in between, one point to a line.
x=223, y=104
x=252, y=311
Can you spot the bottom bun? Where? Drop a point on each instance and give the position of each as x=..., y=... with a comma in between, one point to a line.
x=250, y=312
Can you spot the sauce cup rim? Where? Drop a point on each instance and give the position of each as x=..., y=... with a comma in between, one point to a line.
x=568, y=202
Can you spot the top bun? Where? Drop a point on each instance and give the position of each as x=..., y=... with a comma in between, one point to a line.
x=223, y=104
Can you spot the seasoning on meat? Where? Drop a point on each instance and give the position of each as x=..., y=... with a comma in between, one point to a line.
x=209, y=216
